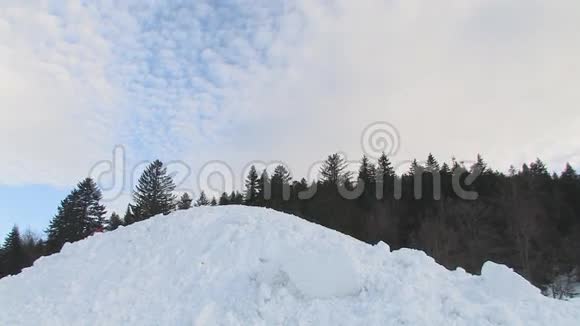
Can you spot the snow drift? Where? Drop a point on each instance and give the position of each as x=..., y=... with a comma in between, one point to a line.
x=251, y=266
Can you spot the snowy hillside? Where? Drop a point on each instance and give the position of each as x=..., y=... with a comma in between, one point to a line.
x=249, y=266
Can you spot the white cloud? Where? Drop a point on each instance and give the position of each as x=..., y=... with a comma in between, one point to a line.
x=283, y=80
x=53, y=93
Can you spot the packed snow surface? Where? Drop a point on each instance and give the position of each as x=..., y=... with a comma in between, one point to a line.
x=250, y=266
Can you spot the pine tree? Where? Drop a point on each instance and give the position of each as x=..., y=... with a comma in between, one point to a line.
x=114, y=222
x=252, y=186
x=264, y=191
x=415, y=168
x=384, y=168
x=432, y=164
x=333, y=170
x=129, y=218
x=154, y=192
x=385, y=177
x=281, y=185
x=184, y=202
x=79, y=215
x=538, y=168
x=213, y=202
x=479, y=165
x=569, y=173
x=525, y=169
x=445, y=169
x=224, y=199
x=202, y=200
x=92, y=212
x=61, y=228
x=367, y=171
x=13, y=258
x=238, y=198
x=281, y=175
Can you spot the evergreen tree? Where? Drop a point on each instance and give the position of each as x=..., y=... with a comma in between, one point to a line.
x=432, y=164
x=213, y=202
x=61, y=228
x=281, y=175
x=129, y=218
x=385, y=178
x=264, y=191
x=202, y=200
x=154, y=192
x=385, y=169
x=252, y=186
x=457, y=168
x=13, y=258
x=525, y=169
x=92, y=212
x=479, y=165
x=224, y=199
x=367, y=171
x=281, y=189
x=334, y=170
x=445, y=169
x=569, y=173
x=79, y=215
x=538, y=168
x=114, y=222
x=238, y=198
x=415, y=168
x=184, y=202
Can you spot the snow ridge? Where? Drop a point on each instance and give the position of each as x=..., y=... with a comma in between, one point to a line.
x=235, y=265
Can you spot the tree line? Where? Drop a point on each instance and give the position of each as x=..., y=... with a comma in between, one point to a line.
x=527, y=219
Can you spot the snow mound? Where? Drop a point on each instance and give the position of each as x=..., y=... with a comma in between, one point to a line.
x=250, y=266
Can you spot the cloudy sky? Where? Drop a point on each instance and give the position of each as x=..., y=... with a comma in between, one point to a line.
x=264, y=80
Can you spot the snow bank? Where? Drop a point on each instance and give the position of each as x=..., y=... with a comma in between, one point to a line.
x=250, y=266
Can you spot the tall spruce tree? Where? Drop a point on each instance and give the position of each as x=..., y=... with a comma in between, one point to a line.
x=89, y=206
x=154, y=192
x=252, y=185
x=79, y=215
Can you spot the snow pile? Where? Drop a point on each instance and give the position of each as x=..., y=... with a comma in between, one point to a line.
x=250, y=266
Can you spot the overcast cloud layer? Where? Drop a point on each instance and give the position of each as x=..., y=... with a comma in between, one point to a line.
x=245, y=80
